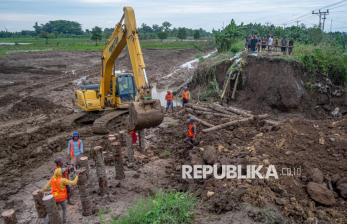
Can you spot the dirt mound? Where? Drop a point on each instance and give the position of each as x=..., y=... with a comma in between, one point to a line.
x=34, y=105
x=270, y=84
x=275, y=83
x=295, y=148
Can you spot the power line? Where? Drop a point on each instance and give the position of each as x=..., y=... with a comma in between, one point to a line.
x=333, y=4
x=323, y=7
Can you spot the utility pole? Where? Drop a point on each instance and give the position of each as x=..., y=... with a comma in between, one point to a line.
x=331, y=25
x=322, y=15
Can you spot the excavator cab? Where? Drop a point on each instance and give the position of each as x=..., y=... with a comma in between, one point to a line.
x=125, y=87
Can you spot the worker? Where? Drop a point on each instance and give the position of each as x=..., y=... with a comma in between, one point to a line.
x=191, y=132
x=58, y=189
x=185, y=96
x=74, y=148
x=169, y=100
x=66, y=174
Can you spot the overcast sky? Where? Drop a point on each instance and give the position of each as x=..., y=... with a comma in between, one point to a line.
x=16, y=15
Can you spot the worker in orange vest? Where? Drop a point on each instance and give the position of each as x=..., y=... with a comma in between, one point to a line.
x=185, y=96
x=191, y=132
x=74, y=148
x=58, y=189
x=169, y=100
x=66, y=174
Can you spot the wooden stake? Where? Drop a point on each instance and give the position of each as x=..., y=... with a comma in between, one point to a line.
x=231, y=123
x=84, y=164
x=126, y=142
x=118, y=161
x=200, y=112
x=142, y=140
x=100, y=169
x=87, y=206
x=52, y=209
x=201, y=121
x=9, y=216
x=235, y=86
x=40, y=207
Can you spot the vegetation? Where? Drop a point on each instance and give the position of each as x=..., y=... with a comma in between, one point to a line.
x=96, y=34
x=163, y=208
x=321, y=53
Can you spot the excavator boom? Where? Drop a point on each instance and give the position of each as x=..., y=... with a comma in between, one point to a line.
x=144, y=112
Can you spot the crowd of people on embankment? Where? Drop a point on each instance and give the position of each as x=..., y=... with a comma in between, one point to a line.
x=256, y=44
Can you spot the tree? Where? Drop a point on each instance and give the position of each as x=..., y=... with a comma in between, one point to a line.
x=96, y=34
x=196, y=35
x=145, y=28
x=37, y=28
x=182, y=33
x=156, y=28
x=166, y=26
x=162, y=35
x=62, y=27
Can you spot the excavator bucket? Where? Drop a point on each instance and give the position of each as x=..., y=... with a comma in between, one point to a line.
x=145, y=114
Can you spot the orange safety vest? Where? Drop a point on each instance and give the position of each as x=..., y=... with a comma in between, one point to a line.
x=72, y=151
x=185, y=95
x=59, y=193
x=169, y=97
x=190, y=131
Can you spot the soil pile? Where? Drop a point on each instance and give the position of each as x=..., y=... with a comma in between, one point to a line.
x=303, y=151
x=271, y=84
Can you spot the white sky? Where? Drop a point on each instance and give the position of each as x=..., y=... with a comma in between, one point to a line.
x=16, y=15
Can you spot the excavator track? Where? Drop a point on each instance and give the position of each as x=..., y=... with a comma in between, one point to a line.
x=100, y=125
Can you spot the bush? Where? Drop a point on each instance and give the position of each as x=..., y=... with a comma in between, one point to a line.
x=163, y=208
x=327, y=60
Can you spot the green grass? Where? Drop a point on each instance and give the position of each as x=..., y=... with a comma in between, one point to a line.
x=162, y=208
x=84, y=43
x=325, y=59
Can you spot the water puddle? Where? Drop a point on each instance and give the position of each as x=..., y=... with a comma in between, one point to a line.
x=160, y=95
x=192, y=64
x=12, y=44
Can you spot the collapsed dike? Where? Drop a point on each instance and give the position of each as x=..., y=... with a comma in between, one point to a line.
x=267, y=84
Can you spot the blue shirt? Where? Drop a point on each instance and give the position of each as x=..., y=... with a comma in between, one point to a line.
x=77, y=151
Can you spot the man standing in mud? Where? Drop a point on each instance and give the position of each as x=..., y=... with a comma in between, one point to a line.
x=185, y=96
x=66, y=174
x=74, y=148
x=191, y=132
x=169, y=100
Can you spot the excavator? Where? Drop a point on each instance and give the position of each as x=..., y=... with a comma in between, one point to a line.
x=119, y=93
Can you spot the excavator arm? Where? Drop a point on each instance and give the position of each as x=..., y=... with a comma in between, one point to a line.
x=144, y=112
x=124, y=34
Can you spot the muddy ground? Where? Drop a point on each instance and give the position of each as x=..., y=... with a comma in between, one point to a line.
x=36, y=101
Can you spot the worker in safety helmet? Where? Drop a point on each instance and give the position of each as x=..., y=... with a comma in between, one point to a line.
x=169, y=100
x=185, y=96
x=74, y=148
x=191, y=132
x=58, y=184
x=66, y=174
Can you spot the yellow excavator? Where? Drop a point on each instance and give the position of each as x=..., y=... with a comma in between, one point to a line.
x=121, y=93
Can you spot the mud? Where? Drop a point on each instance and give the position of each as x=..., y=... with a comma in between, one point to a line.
x=36, y=103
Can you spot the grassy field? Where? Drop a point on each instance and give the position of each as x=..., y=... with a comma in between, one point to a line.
x=85, y=44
